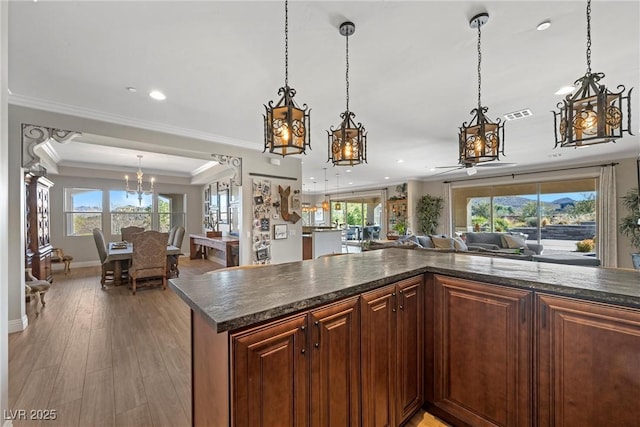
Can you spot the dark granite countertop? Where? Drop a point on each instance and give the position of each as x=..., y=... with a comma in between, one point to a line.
x=229, y=300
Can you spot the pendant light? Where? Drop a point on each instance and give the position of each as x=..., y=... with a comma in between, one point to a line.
x=325, y=202
x=338, y=205
x=286, y=126
x=348, y=143
x=594, y=114
x=480, y=140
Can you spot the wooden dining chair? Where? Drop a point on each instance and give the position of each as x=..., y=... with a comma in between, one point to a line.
x=128, y=232
x=148, y=260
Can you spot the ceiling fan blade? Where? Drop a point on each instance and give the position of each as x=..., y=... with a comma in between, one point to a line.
x=495, y=165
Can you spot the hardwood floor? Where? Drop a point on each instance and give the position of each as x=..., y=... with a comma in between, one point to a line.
x=106, y=357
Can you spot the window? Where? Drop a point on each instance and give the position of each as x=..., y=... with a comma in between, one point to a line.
x=83, y=210
x=170, y=211
x=127, y=211
x=558, y=214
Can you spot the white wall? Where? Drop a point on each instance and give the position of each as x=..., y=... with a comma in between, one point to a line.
x=4, y=201
x=83, y=248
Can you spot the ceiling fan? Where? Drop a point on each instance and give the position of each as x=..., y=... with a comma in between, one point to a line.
x=471, y=168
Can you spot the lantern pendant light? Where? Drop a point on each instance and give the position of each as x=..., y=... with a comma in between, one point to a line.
x=325, y=202
x=481, y=140
x=338, y=205
x=594, y=114
x=347, y=145
x=286, y=126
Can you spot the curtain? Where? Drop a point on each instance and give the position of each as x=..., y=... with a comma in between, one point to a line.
x=607, y=218
x=446, y=211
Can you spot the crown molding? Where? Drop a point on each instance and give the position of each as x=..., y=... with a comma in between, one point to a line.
x=72, y=110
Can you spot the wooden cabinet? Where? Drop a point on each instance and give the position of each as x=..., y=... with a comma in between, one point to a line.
x=392, y=352
x=396, y=212
x=271, y=375
x=588, y=356
x=304, y=369
x=335, y=365
x=482, y=352
x=37, y=227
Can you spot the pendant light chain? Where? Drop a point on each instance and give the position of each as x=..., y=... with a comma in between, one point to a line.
x=588, y=37
x=479, y=63
x=347, y=72
x=286, y=43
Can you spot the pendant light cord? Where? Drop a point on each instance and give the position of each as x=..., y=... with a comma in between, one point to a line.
x=588, y=37
x=286, y=43
x=347, y=72
x=479, y=65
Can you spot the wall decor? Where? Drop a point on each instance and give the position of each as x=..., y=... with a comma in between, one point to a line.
x=284, y=205
x=280, y=231
x=262, y=211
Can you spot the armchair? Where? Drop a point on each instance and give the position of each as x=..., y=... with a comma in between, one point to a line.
x=35, y=288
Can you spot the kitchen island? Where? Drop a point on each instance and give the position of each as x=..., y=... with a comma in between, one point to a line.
x=368, y=338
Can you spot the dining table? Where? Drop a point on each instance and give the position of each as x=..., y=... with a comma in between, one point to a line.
x=121, y=255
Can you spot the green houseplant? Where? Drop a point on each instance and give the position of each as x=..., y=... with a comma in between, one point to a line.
x=400, y=226
x=630, y=224
x=428, y=210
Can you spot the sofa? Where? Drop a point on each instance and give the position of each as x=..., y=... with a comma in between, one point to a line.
x=484, y=241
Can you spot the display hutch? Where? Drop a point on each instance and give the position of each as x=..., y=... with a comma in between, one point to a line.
x=37, y=226
x=396, y=213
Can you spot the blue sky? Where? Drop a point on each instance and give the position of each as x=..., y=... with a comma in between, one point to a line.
x=117, y=199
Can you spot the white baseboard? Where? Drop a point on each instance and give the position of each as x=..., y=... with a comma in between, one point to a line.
x=8, y=423
x=75, y=264
x=18, y=325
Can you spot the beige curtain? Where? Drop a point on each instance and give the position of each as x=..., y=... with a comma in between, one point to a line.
x=446, y=210
x=607, y=218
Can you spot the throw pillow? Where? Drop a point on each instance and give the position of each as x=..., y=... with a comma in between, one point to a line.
x=425, y=241
x=442, y=242
x=513, y=242
x=459, y=244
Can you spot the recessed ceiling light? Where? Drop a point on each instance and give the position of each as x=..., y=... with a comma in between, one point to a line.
x=351, y=183
x=157, y=95
x=348, y=170
x=386, y=177
x=131, y=89
x=311, y=177
x=564, y=90
x=432, y=170
x=543, y=25
x=399, y=161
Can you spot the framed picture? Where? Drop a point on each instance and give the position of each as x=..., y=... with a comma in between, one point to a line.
x=279, y=231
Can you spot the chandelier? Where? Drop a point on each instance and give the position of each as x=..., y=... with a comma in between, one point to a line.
x=480, y=139
x=139, y=190
x=593, y=115
x=347, y=143
x=286, y=126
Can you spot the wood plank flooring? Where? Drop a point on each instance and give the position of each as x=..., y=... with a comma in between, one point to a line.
x=108, y=358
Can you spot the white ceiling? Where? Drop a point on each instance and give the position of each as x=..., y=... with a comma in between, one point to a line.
x=412, y=73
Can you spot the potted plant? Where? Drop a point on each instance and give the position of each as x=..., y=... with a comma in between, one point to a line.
x=429, y=209
x=630, y=224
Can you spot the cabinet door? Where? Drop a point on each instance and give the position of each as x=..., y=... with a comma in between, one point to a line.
x=271, y=375
x=410, y=344
x=378, y=331
x=588, y=363
x=482, y=352
x=335, y=365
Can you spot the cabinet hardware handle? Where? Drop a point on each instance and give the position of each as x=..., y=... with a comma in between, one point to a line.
x=317, y=344
x=316, y=323
x=302, y=328
x=401, y=307
x=393, y=294
x=401, y=291
x=302, y=351
x=394, y=310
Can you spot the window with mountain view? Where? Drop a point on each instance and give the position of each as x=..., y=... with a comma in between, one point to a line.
x=83, y=210
x=560, y=214
x=127, y=210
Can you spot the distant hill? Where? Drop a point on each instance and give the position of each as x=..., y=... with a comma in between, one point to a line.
x=517, y=202
x=565, y=201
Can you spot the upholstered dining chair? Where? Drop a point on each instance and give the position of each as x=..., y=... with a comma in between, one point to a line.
x=127, y=232
x=108, y=268
x=149, y=259
x=178, y=236
x=172, y=234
